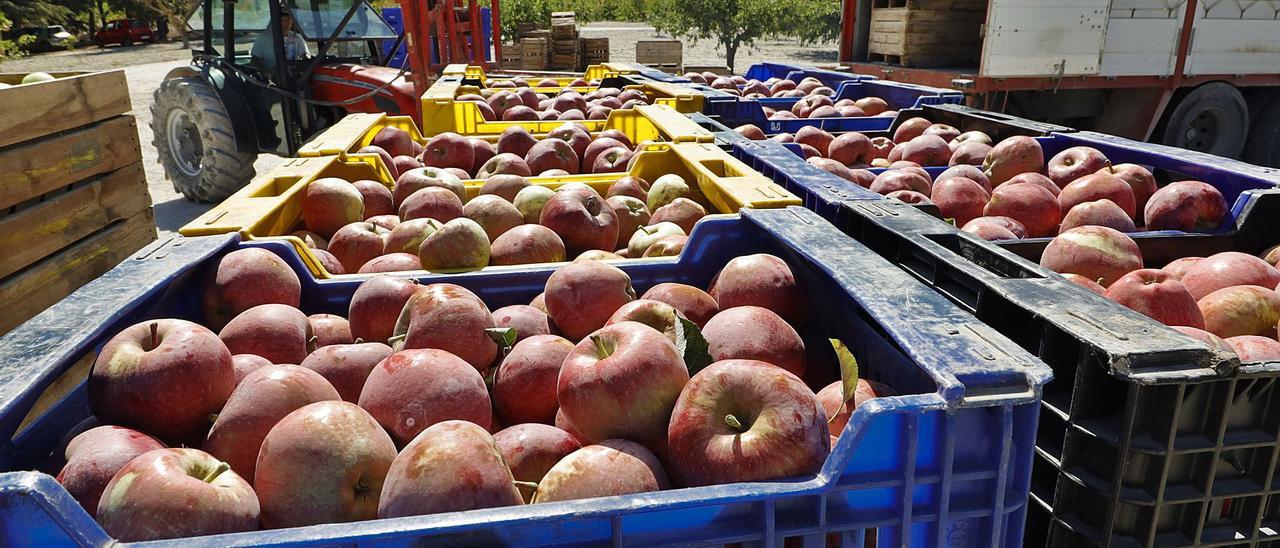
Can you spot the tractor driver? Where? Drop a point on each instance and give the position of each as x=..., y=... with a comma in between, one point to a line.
x=295, y=46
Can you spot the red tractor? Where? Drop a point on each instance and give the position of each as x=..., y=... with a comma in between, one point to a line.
x=211, y=119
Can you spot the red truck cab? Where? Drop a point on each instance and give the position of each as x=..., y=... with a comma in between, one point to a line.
x=125, y=32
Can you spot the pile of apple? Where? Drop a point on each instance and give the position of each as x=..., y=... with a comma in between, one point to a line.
x=917, y=142
x=523, y=103
x=545, y=83
x=815, y=97
x=567, y=150
x=423, y=401
x=1228, y=300
x=425, y=222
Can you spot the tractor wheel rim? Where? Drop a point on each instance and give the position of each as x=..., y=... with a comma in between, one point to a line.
x=1203, y=131
x=184, y=142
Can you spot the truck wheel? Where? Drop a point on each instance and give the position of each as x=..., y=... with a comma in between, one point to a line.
x=1263, y=147
x=1212, y=118
x=195, y=141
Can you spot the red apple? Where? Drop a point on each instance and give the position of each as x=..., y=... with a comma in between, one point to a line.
x=1227, y=269
x=990, y=232
x=1007, y=223
x=831, y=398
x=550, y=154
x=609, y=468
x=1086, y=283
x=745, y=420
x=1156, y=294
x=1018, y=154
x=1034, y=207
x=1271, y=255
x=1140, y=180
x=907, y=130
x=631, y=213
x=1241, y=310
x=425, y=177
x=621, y=382
x=532, y=449
x=526, y=320
x=595, y=148
x=346, y=366
x=246, y=278
x=1215, y=342
x=505, y=163
x=396, y=141
x=750, y=131
x=926, y=150
x=611, y=160
x=1095, y=252
x=243, y=364
x=850, y=148
x=356, y=244
x=582, y=219
x=516, y=140
x=1036, y=179
x=960, y=198
x=629, y=186
x=759, y=280
x=431, y=203
x=1252, y=348
x=901, y=179
x=815, y=137
x=329, y=204
x=327, y=329
x=163, y=377
x=667, y=246
x=681, y=211
x=1102, y=212
x=448, y=149
x=1074, y=163
x=494, y=214
x=274, y=331
x=95, y=456
x=754, y=333
x=1098, y=186
x=257, y=404
x=449, y=317
x=527, y=244
x=376, y=305
x=1178, y=268
x=323, y=463
x=580, y=297
x=969, y=172
x=452, y=466
x=407, y=237
x=1185, y=206
x=969, y=153
x=328, y=261
x=376, y=197
x=414, y=389
x=175, y=493
x=692, y=303
x=524, y=390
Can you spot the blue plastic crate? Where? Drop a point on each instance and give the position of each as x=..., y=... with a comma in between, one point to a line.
x=948, y=461
x=899, y=95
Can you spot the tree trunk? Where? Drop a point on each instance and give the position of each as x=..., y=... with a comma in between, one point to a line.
x=730, y=51
x=181, y=26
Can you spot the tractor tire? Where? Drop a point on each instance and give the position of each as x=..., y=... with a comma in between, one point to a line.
x=1212, y=118
x=1263, y=147
x=195, y=141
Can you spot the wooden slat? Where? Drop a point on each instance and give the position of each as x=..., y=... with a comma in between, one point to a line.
x=38, y=110
x=35, y=168
x=35, y=232
x=62, y=386
x=29, y=292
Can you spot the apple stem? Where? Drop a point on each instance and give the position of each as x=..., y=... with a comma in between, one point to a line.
x=733, y=422
x=213, y=474
x=155, y=335
x=359, y=340
x=526, y=485
x=602, y=348
x=311, y=343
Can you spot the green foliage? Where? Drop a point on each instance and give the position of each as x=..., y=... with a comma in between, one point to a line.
x=737, y=23
x=23, y=13
x=538, y=12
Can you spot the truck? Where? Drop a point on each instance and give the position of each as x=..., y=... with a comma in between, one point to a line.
x=1197, y=74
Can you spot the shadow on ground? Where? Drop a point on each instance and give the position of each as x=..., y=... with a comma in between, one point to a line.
x=174, y=214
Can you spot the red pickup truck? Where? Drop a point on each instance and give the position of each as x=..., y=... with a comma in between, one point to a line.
x=125, y=32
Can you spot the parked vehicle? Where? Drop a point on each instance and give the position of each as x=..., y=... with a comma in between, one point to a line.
x=125, y=32
x=47, y=38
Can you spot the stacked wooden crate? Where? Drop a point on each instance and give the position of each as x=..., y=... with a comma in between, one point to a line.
x=565, y=54
x=73, y=193
x=535, y=50
x=660, y=54
x=927, y=33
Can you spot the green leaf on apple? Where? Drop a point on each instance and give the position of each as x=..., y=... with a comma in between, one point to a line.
x=504, y=337
x=692, y=347
x=848, y=371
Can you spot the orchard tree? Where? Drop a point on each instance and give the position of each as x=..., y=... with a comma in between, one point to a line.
x=176, y=12
x=24, y=13
x=737, y=23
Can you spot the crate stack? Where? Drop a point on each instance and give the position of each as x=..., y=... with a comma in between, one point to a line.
x=565, y=48
x=595, y=51
x=73, y=193
x=665, y=55
x=927, y=33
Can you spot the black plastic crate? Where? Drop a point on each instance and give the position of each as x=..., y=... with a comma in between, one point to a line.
x=1146, y=437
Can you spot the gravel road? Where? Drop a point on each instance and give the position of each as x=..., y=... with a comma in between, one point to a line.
x=146, y=65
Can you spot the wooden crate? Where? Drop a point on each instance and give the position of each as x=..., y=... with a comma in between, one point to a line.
x=660, y=52
x=511, y=57
x=914, y=37
x=720, y=70
x=73, y=193
x=565, y=55
x=595, y=51
x=535, y=53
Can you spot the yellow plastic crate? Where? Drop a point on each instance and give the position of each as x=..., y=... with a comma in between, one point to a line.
x=441, y=112
x=271, y=205
x=644, y=123
x=593, y=72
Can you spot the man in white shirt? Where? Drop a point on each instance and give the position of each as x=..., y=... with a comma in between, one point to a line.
x=295, y=46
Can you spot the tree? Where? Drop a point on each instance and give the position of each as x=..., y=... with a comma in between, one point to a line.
x=737, y=23
x=24, y=13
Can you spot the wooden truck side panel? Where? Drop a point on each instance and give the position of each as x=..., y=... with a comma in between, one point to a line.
x=1043, y=37
x=1142, y=38
x=1235, y=38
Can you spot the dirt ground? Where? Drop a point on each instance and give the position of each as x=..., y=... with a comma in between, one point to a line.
x=146, y=65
